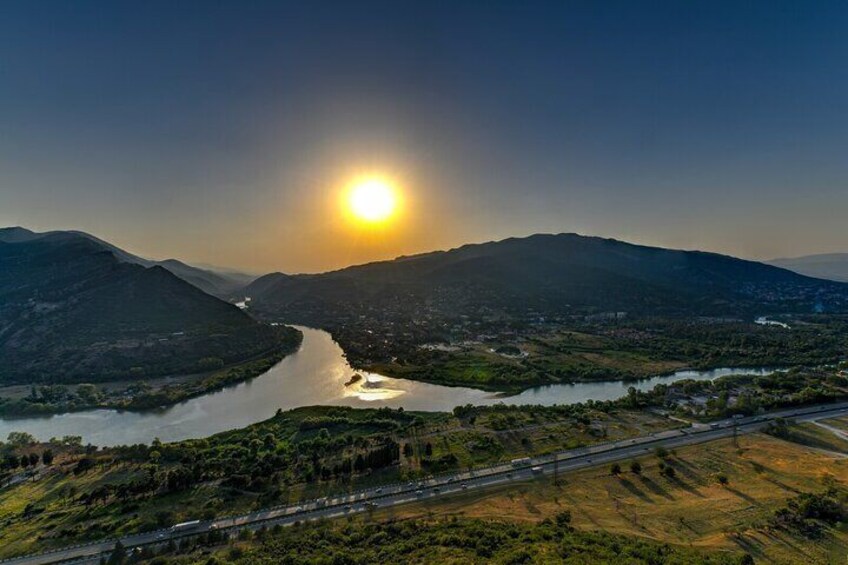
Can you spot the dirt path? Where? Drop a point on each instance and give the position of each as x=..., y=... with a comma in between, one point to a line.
x=835, y=431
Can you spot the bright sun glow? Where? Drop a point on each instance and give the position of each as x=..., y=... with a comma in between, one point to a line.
x=372, y=200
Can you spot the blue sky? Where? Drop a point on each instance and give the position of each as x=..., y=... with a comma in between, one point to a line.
x=222, y=133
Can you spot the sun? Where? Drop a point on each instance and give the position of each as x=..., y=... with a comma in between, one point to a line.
x=372, y=200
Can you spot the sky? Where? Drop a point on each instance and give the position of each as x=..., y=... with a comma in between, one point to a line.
x=226, y=133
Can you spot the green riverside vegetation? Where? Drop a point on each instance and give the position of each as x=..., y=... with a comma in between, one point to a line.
x=78, y=493
x=141, y=394
x=454, y=541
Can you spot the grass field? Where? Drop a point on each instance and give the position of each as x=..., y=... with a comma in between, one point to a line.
x=818, y=437
x=52, y=510
x=692, y=509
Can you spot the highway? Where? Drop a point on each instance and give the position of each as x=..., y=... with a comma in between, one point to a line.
x=442, y=485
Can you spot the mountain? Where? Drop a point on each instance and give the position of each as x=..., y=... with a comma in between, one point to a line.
x=72, y=310
x=17, y=235
x=548, y=275
x=222, y=285
x=217, y=282
x=832, y=266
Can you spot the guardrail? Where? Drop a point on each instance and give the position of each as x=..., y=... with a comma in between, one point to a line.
x=436, y=480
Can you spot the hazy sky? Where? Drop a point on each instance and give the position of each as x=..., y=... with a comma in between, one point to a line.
x=219, y=133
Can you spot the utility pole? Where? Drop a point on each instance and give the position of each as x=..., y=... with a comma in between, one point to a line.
x=735, y=432
x=556, y=469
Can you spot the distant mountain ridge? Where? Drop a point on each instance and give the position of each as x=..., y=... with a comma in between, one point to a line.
x=832, y=266
x=220, y=283
x=72, y=310
x=552, y=274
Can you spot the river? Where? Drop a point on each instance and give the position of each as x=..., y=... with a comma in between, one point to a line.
x=315, y=374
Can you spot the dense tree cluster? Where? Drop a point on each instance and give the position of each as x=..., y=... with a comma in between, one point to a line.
x=810, y=513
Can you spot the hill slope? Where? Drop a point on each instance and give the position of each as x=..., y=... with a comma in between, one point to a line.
x=548, y=274
x=832, y=266
x=70, y=310
x=217, y=283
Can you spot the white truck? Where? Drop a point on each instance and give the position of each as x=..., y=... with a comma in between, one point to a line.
x=186, y=526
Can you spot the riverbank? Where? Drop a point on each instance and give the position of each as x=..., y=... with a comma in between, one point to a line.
x=511, y=359
x=140, y=395
x=78, y=493
x=476, y=373
x=317, y=374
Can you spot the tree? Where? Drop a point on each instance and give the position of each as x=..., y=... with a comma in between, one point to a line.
x=118, y=555
x=33, y=459
x=407, y=450
x=84, y=465
x=20, y=439
x=661, y=452
x=669, y=472
x=428, y=449
x=722, y=479
x=615, y=469
x=359, y=463
x=12, y=461
x=635, y=467
x=89, y=393
x=164, y=518
x=563, y=519
x=47, y=457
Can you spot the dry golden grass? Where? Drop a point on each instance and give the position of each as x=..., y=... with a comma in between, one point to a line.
x=692, y=509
